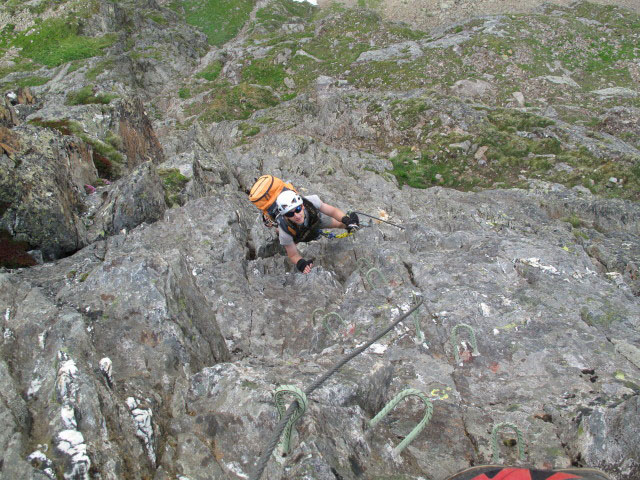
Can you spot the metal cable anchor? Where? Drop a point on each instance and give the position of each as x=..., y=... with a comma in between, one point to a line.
x=454, y=340
x=365, y=268
x=301, y=400
x=418, y=428
x=494, y=440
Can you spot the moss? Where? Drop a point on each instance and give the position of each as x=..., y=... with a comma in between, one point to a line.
x=173, y=183
x=248, y=130
x=184, y=93
x=574, y=220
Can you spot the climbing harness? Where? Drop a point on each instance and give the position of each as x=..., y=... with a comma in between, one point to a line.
x=494, y=440
x=454, y=340
x=379, y=219
x=294, y=407
x=301, y=407
x=418, y=428
x=366, y=269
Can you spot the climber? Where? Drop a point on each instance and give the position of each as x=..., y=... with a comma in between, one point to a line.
x=300, y=220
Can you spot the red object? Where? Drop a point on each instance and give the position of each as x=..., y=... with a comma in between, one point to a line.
x=522, y=474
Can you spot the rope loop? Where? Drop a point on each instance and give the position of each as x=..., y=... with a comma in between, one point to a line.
x=494, y=440
x=454, y=340
x=301, y=399
x=325, y=320
x=313, y=315
x=366, y=269
x=418, y=428
x=363, y=265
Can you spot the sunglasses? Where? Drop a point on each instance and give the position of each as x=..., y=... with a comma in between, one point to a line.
x=291, y=213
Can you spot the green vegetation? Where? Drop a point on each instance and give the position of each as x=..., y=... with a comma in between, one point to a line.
x=211, y=71
x=263, y=72
x=86, y=96
x=220, y=20
x=31, y=81
x=99, y=68
x=173, y=182
x=232, y=103
x=277, y=13
x=106, y=157
x=248, y=130
x=56, y=41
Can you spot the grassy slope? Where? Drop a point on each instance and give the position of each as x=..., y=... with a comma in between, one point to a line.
x=596, y=46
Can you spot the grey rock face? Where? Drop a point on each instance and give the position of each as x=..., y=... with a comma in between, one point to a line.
x=40, y=190
x=137, y=199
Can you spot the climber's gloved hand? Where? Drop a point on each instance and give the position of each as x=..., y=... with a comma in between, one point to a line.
x=351, y=221
x=304, y=266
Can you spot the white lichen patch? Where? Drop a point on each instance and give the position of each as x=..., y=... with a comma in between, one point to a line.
x=535, y=262
x=71, y=443
x=378, y=348
x=34, y=387
x=39, y=460
x=68, y=417
x=106, y=369
x=142, y=417
x=66, y=387
x=235, y=468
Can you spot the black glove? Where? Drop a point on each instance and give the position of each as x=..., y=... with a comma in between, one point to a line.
x=351, y=221
x=302, y=264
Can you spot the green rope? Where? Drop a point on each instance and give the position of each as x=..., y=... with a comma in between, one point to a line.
x=494, y=440
x=365, y=268
x=313, y=315
x=368, y=276
x=418, y=428
x=332, y=314
x=270, y=447
x=454, y=340
x=363, y=265
x=301, y=398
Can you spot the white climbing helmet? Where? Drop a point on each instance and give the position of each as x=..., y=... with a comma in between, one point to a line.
x=287, y=201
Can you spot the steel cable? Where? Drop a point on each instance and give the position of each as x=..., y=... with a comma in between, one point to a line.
x=264, y=458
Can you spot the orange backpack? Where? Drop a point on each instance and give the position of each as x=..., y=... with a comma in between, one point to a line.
x=263, y=195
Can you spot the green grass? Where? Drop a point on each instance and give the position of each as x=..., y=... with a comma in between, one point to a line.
x=56, y=41
x=264, y=72
x=211, y=71
x=86, y=96
x=220, y=20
